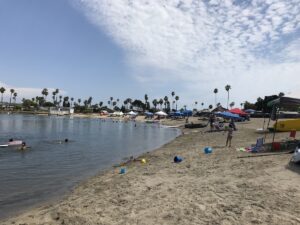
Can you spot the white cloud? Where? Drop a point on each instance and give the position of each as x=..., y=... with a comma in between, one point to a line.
x=251, y=45
x=26, y=92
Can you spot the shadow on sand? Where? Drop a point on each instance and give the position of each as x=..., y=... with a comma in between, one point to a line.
x=295, y=167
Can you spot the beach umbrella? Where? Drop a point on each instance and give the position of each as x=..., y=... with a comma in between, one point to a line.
x=148, y=113
x=228, y=115
x=238, y=111
x=118, y=114
x=131, y=113
x=161, y=113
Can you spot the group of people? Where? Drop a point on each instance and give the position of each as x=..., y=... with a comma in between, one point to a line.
x=219, y=125
x=23, y=145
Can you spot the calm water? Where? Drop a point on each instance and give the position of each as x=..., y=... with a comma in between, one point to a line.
x=49, y=169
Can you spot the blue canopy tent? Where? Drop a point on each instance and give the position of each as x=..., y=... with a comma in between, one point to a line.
x=176, y=114
x=229, y=115
x=187, y=113
x=148, y=113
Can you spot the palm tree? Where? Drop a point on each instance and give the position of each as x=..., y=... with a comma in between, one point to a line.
x=72, y=99
x=242, y=104
x=202, y=104
x=100, y=104
x=11, y=93
x=155, y=102
x=161, y=101
x=2, y=90
x=89, y=101
x=166, y=100
x=227, y=88
x=60, y=99
x=196, y=103
x=114, y=104
x=281, y=94
x=79, y=101
x=85, y=102
x=45, y=93
x=66, y=101
x=176, y=98
x=231, y=104
x=216, y=92
x=125, y=103
x=53, y=97
x=15, y=97
x=56, y=93
x=173, y=94
x=129, y=101
x=111, y=100
x=146, y=100
x=210, y=106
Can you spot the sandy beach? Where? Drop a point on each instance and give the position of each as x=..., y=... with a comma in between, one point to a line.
x=218, y=188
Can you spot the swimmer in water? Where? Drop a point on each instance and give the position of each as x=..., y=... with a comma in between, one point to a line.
x=24, y=146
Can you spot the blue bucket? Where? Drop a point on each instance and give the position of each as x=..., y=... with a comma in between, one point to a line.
x=177, y=159
x=207, y=150
x=122, y=170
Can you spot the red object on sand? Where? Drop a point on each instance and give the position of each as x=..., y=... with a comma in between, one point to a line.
x=293, y=134
x=238, y=111
x=276, y=146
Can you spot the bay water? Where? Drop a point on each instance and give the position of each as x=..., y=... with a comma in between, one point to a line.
x=51, y=167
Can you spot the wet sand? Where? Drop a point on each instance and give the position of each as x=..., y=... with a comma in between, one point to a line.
x=219, y=188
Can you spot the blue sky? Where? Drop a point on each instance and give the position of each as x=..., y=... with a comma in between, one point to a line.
x=122, y=48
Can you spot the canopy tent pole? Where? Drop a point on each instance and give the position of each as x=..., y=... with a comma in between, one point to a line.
x=267, y=127
x=275, y=127
x=264, y=122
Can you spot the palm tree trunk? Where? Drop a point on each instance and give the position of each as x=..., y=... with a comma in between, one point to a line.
x=227, y=99
x=10, y=100
x=215, y=99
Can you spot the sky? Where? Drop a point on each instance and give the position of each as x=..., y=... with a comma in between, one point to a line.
x=129, y=48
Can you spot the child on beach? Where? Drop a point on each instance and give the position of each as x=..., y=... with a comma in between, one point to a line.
x=211, y=121
x=229, y=135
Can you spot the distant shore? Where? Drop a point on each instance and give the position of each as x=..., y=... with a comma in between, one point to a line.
x=204, y=189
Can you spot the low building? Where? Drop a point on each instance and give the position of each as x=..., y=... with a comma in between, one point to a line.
x=61, y=111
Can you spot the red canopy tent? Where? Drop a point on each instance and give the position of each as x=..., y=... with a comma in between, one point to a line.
x=238, y=111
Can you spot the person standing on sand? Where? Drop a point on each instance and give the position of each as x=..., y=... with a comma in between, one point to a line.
x=211, y=121
x=229, y=135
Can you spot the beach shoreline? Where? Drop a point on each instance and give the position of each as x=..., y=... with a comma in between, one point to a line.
x=203, y=189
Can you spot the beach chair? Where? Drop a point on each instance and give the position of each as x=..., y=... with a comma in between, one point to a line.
x=258, y=146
